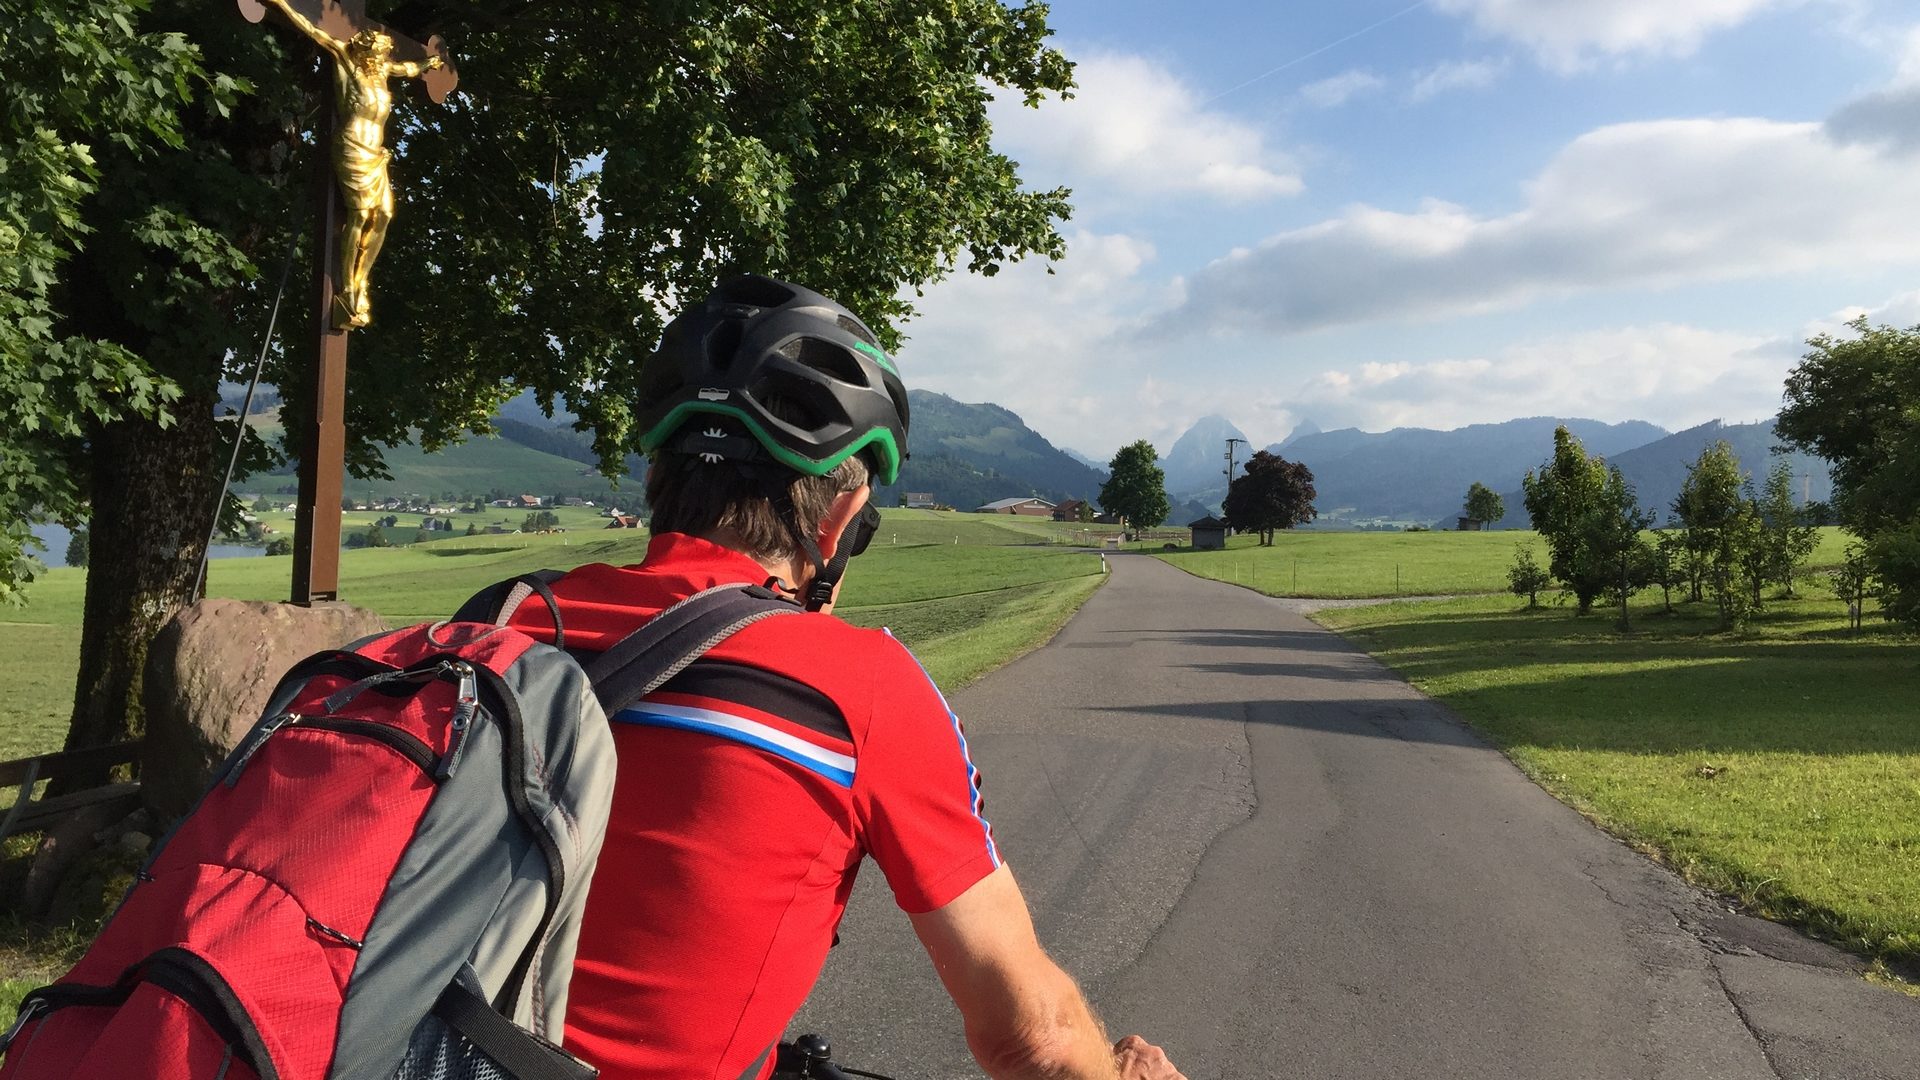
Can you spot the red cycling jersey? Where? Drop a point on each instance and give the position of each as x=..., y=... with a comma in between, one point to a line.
x=750, y=786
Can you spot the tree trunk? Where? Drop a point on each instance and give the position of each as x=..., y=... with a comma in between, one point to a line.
x=154, y=493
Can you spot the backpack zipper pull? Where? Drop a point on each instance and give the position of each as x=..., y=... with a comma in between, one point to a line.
x=259, y=739
x=463, y=710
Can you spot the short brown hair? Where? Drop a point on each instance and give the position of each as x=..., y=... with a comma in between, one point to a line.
x=688, y=495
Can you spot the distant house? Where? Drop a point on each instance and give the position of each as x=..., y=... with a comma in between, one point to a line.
x=1028, y=507
x=528, y=500
x=574, y=501
x=624, y=521
x=921, y=500
x=504, y=502
x=1069, y=510
x=1467, y=524
x=1209, y=533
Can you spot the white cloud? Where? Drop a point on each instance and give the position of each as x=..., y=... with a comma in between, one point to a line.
x=1888, y=117
x=1045, y=345
x=1568, y=35
x=1672, y=375
x=1642, y=205
x=1135, y=128
x=1457, y=75
x=1341, y=88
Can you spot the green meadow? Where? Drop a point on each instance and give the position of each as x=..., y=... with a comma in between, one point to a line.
x=1335, y=565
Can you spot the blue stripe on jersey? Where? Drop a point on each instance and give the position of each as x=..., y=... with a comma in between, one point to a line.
x=973, y=773
x=834, y=766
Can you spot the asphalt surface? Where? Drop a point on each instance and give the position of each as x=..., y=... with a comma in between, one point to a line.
x=1264, y=851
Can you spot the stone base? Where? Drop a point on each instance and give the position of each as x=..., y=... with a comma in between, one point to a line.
x=209, y=674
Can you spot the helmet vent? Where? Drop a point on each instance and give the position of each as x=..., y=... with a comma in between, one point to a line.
x=827, y=358
x=854, y=327
x=754, y=290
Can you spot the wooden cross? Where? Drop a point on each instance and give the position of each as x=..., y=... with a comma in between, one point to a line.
x=354, y=155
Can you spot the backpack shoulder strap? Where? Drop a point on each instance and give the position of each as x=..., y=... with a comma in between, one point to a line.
x=641, y=662
x=497, y=602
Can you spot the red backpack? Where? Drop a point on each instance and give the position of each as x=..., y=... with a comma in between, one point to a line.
x=386, y=876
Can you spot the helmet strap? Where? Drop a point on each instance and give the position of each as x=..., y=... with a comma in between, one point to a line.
x=826, y=574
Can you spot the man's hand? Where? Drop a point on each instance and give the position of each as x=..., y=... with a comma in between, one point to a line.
x=1138, y=1059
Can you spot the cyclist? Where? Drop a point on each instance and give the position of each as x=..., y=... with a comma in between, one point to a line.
x=753, y=783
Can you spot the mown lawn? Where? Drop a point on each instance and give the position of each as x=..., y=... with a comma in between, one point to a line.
x=1780, y=766
x=1350, y=565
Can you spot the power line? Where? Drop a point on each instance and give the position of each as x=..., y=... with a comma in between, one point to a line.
x=1408, y=10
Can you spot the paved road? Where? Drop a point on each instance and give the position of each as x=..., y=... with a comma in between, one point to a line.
x=1258, y=847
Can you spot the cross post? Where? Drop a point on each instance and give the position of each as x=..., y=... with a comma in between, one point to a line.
x=353, y=200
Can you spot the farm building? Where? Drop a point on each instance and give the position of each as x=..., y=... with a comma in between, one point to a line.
x=1028, y=507
x=1209, y=533
x=1069, y=510
x=920, y=500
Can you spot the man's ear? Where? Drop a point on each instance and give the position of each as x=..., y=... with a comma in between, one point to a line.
x=846, y=506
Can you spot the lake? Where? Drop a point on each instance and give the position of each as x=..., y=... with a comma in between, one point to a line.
x=56, y=537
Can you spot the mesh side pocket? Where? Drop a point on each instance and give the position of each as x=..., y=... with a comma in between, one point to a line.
x=437, y=1052
x=462, y=1038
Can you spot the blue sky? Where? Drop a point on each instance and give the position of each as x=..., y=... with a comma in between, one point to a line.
x=1467, y=211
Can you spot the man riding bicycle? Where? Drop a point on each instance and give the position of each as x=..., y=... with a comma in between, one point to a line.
x=753, y=783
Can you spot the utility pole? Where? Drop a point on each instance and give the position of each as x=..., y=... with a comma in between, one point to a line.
x=1231, y=443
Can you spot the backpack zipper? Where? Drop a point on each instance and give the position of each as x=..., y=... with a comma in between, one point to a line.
x=466, y=702
x=408, y=746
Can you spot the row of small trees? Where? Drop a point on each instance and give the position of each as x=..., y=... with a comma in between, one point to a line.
x=1726, y=540
x=1272, y=494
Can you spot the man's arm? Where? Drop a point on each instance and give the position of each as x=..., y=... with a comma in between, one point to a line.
x=306, y=26
x=414, y=69
x=1025, y=1018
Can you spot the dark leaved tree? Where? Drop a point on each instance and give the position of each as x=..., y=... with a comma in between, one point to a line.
x=1274, y=494
x=1484, y=504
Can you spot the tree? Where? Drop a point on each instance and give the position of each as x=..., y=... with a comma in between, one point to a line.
x=1273, y=494
x=1560, y=497
x=1136, y=487
x=1786, y=541
x=1670, y=568
x=78, y=549
x=473, y=529
x=1853, y=583
x=1710, y=506
x=1612, y=549
x=280, y=545
x=599, y=155
x=1855, y=401
x=1085, y=514
x=1484, y=504
x=1525, y=576
x=263, y=505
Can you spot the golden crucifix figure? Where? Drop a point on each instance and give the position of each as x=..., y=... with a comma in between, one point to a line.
x=362, y=65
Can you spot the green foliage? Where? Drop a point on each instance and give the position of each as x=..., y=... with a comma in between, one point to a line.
x=1484, y=504
x=81, y=81
x=1136, y=487
x=1274, y=493
x=1852, y=582
x=1525, y=576
x=539, y=519
x=280, y=545
x=78, y=551
x=1856, y=402
x=1589, y=518
x=1786, y=541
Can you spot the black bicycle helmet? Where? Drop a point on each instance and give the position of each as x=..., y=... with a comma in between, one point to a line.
x=756, y=343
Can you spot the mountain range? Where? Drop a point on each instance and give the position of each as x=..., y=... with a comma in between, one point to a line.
x=966, y=455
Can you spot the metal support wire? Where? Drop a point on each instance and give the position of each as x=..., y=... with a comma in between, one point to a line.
x=246, y=409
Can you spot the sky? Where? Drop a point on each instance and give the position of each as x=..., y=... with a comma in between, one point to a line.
x=1365, y=213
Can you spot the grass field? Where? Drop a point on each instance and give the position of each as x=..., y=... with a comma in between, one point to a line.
x=966, y=592
x=1780, y=767
x=1351, y=565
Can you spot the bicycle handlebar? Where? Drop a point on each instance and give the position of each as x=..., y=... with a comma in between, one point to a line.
x=810, y=1057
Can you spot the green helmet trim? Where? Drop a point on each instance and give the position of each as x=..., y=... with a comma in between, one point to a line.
x=879, y=438
x=878, y=357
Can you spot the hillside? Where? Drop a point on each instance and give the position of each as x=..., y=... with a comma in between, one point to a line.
x=1418, y=474
x=967, y=455
x=1657, y=469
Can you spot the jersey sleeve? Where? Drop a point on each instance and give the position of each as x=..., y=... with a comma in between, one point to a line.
x=917, y=792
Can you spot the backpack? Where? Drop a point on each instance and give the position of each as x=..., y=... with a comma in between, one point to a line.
x=385, y=878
